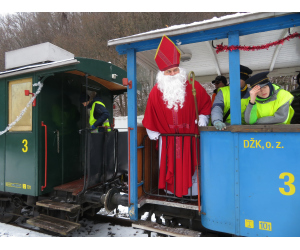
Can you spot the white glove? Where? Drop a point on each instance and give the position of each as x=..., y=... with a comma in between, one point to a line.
x=153, y=135
x=203, y=120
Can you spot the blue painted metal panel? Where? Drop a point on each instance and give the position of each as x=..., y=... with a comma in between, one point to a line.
x=257, y=197
x=219, y=33
x=217, y=181
x=264, y=157
x=132, y=123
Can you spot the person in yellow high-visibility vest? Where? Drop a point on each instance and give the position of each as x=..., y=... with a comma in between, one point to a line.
x=98, y=114
x=220, y=112
x=269, y=103
x=219, y=82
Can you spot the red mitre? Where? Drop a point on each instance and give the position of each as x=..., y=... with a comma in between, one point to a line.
x=167, y=54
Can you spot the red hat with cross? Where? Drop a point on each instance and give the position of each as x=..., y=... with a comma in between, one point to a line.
x=167, y=54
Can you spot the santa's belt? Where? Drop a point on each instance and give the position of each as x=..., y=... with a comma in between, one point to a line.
x=183, y=125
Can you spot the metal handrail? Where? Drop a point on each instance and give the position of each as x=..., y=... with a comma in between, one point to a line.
x=46, y=151
x=170, y=196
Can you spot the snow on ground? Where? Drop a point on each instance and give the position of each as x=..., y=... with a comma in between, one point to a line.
x=86, y=238
x=88, y=228
x=91, y=229
x=12, y=231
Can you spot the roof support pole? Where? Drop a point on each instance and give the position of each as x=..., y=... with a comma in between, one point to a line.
x=132, y=123
x=214, y=57
x=235, y=110
x=151, y=79
x=234, y=75
x=278, y=48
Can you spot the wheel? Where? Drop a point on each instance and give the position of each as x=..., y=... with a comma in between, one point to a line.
x=8, y=211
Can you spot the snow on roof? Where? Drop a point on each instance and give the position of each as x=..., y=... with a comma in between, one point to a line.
x=195, y=26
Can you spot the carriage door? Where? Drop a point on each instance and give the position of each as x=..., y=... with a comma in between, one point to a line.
x=50, y=114
x=59, y=105
x=20, y=160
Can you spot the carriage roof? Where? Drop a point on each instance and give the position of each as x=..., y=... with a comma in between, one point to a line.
x=197, y=40
x=99, y=72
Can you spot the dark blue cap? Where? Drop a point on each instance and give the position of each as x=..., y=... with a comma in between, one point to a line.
x=245, y=72
x=260, y=79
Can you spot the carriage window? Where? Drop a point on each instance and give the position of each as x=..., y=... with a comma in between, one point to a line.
x=17, y=102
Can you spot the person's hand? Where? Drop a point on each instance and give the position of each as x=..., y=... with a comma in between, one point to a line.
x=156, y=136
x=93, y=127
x=253, y=93
x=203, y=120
x=153, y=135
x=220, y=125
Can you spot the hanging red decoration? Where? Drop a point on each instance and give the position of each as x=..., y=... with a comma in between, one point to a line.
x=226, y=48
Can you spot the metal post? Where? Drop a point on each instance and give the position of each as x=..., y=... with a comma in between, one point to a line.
x=236, y=119
x=234, y=75
x=236, y=183
x=132, y=123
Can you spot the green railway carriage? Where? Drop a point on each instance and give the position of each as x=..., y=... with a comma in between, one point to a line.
x=23, y=148
x=46, y=148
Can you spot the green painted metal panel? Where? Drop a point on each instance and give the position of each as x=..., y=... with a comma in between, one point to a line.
x=20, y=174
x=101, y=69
x=20, y=169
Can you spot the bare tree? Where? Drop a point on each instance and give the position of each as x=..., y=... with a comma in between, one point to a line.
x=86, y=34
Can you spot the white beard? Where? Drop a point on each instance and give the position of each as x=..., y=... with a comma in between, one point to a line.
x=172, y=88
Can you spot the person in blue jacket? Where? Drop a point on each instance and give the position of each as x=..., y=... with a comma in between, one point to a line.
x=98, y=115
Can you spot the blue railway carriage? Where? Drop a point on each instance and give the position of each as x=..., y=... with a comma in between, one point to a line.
x=249, y=173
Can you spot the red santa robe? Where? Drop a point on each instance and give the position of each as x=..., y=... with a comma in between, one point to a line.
x=168, y=121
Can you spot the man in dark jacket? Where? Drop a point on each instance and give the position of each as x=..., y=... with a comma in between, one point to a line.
x=98, y=114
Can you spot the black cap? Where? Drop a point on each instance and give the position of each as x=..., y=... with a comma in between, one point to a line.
x=245, y=72
x=260, y=79
x=220, y=78
x=84, y=98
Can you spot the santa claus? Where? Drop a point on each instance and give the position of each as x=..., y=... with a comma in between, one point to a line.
x=171, y=110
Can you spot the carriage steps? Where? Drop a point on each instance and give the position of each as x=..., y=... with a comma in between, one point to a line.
x=158, y=228
x=53, y=224
x=68, y=207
